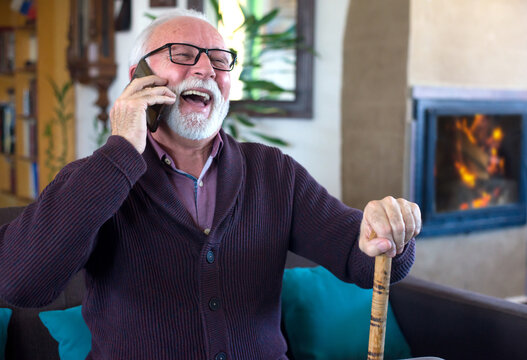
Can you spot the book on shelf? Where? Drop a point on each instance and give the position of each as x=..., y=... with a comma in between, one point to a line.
x=25, y=7
x=33, y=49
x=29, y=98
x=33, y=181
x=7, y=47
x=29, y=138
x=7, y=126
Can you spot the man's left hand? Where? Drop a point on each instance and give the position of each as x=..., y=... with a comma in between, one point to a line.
x=395, y=222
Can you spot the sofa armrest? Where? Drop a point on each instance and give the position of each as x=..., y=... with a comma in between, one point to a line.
x=9, y=213
x=455, y=324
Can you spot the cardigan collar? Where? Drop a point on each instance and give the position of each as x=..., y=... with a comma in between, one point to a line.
x=231, y=176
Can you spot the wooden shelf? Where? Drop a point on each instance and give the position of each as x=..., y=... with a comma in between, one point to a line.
x=8, y=199
x=7, y=156
x=30, y=69
x=30, y=26
x=36, y=59
x=31, y=159
x=18, y=170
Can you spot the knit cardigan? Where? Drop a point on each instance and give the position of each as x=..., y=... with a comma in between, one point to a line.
x=157, y=286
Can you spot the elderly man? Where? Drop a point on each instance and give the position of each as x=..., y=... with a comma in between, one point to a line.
x=184, y=232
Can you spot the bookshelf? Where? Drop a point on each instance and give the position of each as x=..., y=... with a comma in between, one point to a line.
x=32, y=54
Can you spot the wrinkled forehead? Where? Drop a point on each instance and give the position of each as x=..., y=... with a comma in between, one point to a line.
x=186, y=30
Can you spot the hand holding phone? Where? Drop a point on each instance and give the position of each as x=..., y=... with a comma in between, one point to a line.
x=153, y=111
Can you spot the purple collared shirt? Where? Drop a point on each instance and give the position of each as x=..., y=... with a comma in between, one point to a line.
x=198, y=195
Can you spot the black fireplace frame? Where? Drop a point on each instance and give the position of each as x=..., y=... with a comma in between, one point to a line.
x=428, y=104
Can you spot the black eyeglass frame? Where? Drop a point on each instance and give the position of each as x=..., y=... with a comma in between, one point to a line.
x=200, y=51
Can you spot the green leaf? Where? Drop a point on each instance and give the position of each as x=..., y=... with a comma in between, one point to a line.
x=265, y=110
x=58, y=112
x=270, y=139
x=268, y=17
x=68, y=117
x=55, y=87
x=216, y=6
x=251, y=65
x=234, y=131
x=269, y=38
x=66, y=87
x=281, y=44
x=150, y=16
x=244, y=119
x=246, y=13
x=47, y=130
x=263, y=85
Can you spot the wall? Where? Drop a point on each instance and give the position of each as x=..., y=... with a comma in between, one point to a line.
x=315, y=142
x=474, y=43
x=465, y=43
x=374, y=100
x=484, y=45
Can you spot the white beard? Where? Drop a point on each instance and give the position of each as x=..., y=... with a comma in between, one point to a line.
x=196, y=126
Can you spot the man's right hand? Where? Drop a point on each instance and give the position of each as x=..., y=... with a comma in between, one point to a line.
x=128, y=114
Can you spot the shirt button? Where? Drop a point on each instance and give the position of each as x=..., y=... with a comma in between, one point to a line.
x=206, y=231
x=201, y=184
x=167, y=161
x=210, y=256
x=214, y=304
x=220, y=356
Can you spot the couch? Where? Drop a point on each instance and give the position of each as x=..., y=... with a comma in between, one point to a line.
x=436, y=320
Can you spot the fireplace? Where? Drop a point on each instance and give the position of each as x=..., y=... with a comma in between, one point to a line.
x=469, y=159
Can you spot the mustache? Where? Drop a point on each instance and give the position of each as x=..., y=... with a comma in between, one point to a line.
x=193, y=83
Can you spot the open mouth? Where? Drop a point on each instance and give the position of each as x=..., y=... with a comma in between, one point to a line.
x=196, y=97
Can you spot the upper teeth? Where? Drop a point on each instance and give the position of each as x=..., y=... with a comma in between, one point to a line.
x=199, y=93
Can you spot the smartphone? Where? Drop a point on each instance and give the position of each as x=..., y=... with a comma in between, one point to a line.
x=153, y=111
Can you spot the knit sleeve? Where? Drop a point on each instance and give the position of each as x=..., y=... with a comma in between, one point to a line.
x=326, y=231
x=53, y=238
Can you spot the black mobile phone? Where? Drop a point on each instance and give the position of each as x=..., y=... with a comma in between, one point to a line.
x=153, y=111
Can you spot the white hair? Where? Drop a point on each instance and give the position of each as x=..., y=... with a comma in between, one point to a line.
x=140, y=45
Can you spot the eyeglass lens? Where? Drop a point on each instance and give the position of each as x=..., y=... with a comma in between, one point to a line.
x=187, y=55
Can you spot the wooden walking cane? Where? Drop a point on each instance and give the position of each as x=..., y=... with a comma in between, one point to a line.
x=379, y=305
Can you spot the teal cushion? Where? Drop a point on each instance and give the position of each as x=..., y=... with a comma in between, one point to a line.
x=5, y=315
x=326, y=318
x=70, y=331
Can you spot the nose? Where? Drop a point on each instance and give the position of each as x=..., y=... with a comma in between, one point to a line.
x=203, y=68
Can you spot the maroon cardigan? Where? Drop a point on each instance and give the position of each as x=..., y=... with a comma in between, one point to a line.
x=158, y=287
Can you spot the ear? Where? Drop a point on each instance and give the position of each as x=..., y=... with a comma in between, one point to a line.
x=131, y=71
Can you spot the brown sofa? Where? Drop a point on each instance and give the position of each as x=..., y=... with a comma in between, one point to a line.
x=436, y=320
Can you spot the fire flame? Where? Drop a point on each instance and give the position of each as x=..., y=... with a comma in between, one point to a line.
x=480, y=202
x=482, y=146
x=466, y=175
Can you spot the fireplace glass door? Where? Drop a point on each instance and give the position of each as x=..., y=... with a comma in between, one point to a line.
x=469, y=164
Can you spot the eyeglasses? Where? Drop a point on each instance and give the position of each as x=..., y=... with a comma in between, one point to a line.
x=187, y=54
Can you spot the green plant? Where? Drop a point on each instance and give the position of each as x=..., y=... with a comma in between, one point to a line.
x=257, y=41
x=54, y=162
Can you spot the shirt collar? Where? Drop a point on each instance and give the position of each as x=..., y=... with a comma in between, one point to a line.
x=217, y=145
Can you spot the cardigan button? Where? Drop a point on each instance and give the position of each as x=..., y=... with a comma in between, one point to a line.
x=220, y=356
x=210, y=256
x=214, y=304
